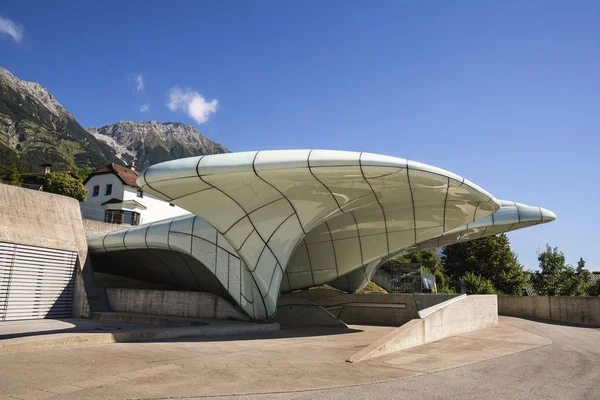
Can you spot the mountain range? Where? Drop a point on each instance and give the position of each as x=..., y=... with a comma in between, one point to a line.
x=149, y=142
x=36, y=129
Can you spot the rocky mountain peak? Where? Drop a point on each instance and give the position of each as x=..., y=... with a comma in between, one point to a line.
x=36, y=129
x=35, y=90
x=140, y=142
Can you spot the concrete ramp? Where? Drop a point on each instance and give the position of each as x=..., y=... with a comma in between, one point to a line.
x=394, y=309
x=453, y=317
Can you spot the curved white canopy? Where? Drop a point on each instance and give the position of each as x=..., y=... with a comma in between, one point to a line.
x=511, y=216
x=299, y=218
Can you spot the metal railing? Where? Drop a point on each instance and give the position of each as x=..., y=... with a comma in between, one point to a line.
x=39, y=188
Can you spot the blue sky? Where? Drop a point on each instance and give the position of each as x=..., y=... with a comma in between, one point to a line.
x=506, y=94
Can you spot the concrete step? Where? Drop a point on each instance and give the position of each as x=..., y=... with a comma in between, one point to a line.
x=148, y=319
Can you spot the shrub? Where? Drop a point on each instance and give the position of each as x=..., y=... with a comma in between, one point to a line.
x=475, y=284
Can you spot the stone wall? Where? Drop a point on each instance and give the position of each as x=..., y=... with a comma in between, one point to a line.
x=569, y=309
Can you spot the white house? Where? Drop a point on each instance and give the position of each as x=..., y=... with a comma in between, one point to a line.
x=114, y=196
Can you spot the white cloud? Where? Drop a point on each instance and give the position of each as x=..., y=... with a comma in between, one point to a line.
x=144, y=108
x=10, y=28
x=139, y=83
x=192, y=103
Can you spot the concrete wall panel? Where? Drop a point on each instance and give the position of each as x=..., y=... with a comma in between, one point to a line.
x=174, y=303
x=49, y=220
x=41, y=219
x=92, y=227
x=295, y=311
x=569, y=309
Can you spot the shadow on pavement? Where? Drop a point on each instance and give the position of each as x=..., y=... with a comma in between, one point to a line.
x=558, y=323
x=32, y=328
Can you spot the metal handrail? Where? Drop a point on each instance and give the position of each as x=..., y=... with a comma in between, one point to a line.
x=39, y=188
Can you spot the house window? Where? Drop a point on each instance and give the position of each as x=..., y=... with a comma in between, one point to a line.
x=131, y=218
x=108, y=190
x=96, y=190
x=122, y=217
x=140, y=193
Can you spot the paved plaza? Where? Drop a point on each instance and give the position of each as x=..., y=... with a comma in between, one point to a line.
x=518, y=359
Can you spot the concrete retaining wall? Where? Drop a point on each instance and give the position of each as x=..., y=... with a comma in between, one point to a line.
x=315, y=294
x=294, y=311
x=392, y=309
x=453, y=317
x=426, y=300
x=41, y=219
x=121, y=282
x=49, y=220
x=92, y=227
x=175, y=303
x=569, y=309
x=372, y=309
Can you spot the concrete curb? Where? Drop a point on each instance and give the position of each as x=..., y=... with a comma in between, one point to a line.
x=89, y=339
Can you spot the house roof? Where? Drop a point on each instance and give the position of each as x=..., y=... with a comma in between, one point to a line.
x=126, y=175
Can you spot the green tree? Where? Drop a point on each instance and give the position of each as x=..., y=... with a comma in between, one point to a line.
x=81, y=172
x=429, y=259
x=491, y=258
x=556, y=278
x=476, y=284
x=594, y=288
x=64, y=184
x=441, y=283
x=10, y=174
